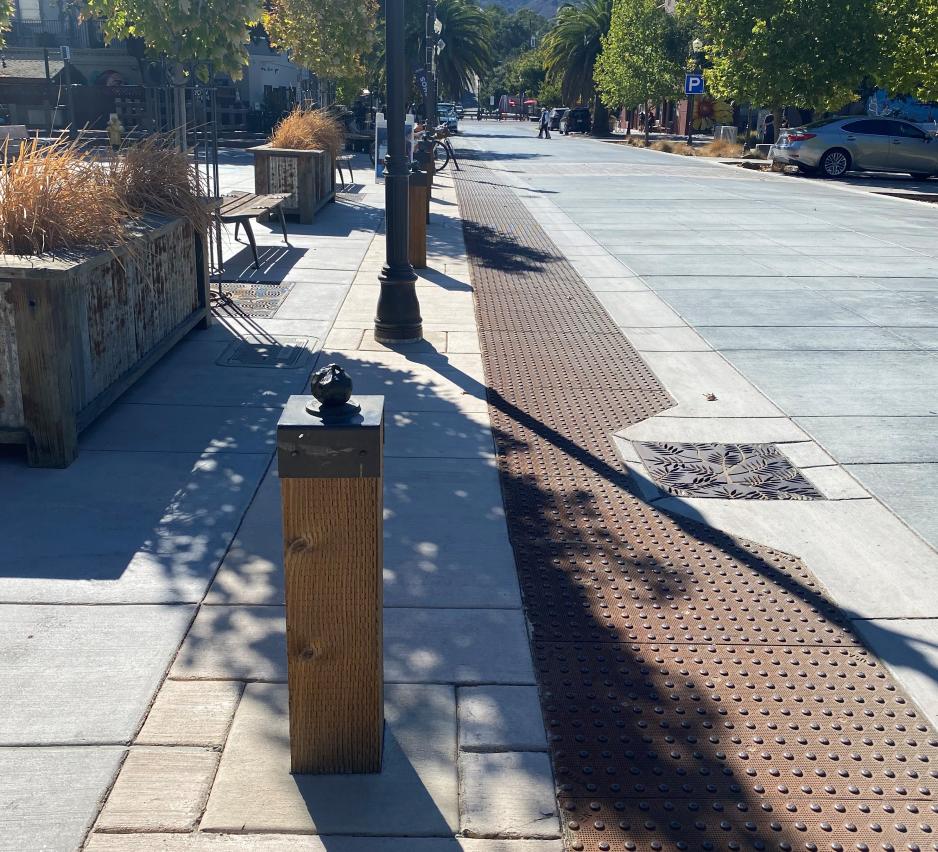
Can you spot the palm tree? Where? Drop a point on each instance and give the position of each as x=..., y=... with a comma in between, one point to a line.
x=467, y=35
x=571, y=48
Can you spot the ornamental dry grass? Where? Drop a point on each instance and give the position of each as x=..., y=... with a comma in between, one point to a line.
x=56, y=199
x=720, y=148
x=309, y=130
x=153, y=177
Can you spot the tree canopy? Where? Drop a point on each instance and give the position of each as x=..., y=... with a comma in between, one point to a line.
x=6, y=13
x=642, y=55
x=187, y=31
x=803, y=53
x=330, y=37
x=572, y=46
x=909, y=42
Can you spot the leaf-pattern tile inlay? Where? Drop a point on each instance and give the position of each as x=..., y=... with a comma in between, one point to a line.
x=730, y=471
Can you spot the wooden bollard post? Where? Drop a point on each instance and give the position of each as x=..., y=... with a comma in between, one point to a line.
x=417, y=233
x=330, y=463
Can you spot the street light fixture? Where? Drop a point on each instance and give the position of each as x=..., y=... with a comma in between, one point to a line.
x=398, y=315
x=696, y=47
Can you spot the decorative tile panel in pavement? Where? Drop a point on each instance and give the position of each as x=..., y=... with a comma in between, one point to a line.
x=730, y=471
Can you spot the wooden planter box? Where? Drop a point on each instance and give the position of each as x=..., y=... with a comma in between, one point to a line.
x=75, y=334
x=309, y=177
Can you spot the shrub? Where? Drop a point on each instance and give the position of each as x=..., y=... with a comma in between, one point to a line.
x=153, y=176
x=309, y=129
x=53, y=198
x=720, y=148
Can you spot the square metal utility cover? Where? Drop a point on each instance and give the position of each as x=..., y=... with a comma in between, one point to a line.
x=259, y=299
x=729, y=471
x=281, y=354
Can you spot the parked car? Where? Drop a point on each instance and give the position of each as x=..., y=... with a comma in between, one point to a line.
x=556, y=114
x=833, y=146
x=576, y=120
x=446, y=114
x=460, y=111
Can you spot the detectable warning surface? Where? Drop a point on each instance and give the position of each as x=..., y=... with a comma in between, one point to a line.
x=699, y=692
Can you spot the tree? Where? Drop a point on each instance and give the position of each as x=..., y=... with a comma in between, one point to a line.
x=329, y=37
x=641, y=57
x=810, y=53
x=186, y=31
x=467, y=36
x=909, y=43
x=467, y=52
x=6, y=14
x=571, y=49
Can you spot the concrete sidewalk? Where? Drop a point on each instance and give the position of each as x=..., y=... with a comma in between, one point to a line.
x=171, y=516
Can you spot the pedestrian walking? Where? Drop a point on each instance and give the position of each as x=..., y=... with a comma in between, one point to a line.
x=641, y=119
x=543, y=131
x=768, y=130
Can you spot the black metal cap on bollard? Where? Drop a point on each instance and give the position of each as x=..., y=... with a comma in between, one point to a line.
x=332, y=434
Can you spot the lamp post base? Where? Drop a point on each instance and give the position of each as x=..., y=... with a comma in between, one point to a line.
x=398, y=317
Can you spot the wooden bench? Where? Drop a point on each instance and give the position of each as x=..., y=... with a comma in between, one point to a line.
x=345, y=160
x=241, y=207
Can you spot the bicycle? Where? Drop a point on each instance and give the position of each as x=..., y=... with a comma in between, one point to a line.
x=442, y=149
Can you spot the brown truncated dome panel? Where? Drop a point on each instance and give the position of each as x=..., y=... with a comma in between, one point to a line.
x=699, y=692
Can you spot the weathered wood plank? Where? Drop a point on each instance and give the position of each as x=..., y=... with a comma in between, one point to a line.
x=43, y=316
x=333, y=575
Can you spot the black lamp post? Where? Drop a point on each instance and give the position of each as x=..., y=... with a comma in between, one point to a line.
x=398, y=315
x=431, y=35
x=696, y=48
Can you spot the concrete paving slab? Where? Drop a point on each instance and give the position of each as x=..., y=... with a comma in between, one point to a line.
x=418, y=382
x=208, y=383
x=414, y=795
x=854, y=383
x=49, y=796
x=438, y=434
x=601, y=267
x=159, y=789
x=434, y=342
x=317, y=302
x=910, y=648
x=463, y=342
x=806, y=454
x=872, y=564
x=924, y=338
x=92, y=670
x=910, y=490
x=855, y=440
x=132, y=427
x=122, y=527
x=191, y=713
x=455, y=306
x=463, y=646
x=500, y=718
x=835, y=483
x=691, y=377
x=727, y=430
x=674, y=339
x=428, y=560
x=468, y=646
x=765, y=308
x=622, y=284
x=234, y=643
x=507, y=794
x=211, y=842
x=639, y=310
x=905, y=308
x=729, y=337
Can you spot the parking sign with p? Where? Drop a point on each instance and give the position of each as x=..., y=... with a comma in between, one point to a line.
x=693, y=84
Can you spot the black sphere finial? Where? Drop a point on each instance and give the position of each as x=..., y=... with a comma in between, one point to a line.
x=332, y=388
